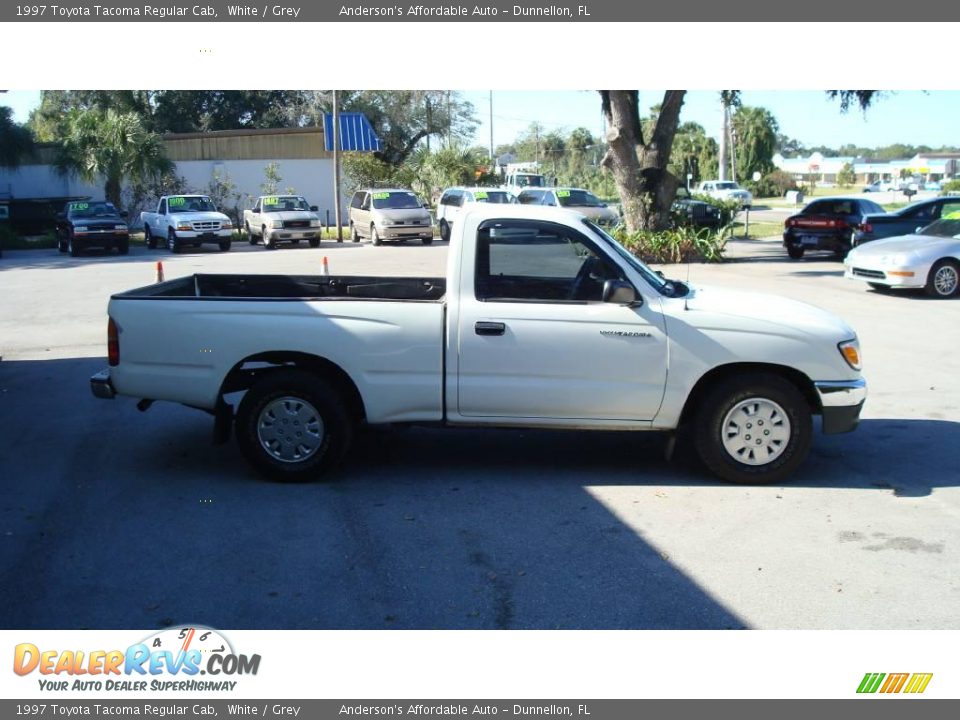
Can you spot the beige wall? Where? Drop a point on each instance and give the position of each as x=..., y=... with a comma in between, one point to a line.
x=284, y=144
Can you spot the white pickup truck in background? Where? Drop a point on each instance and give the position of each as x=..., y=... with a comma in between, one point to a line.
x=282, y=218
x=543, y=321
x=186, y=220
x=726, y=190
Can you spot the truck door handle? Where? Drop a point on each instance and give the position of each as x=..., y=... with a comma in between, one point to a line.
x=489, y=328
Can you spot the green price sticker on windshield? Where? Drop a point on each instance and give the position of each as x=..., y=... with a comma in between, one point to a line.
x=271, y=201
x=480, y=195
x=563, y=193
x=79, y=206
x=381, y=195
x=175, y=201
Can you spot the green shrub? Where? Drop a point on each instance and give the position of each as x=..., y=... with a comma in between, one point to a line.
x=728, y=208
x=950, y=186
x=683, y=244
x=773, y=184
x=8, y=238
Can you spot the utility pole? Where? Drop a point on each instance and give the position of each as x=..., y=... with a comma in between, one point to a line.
x=491, y=125
x=336, y=167
x=724, y=134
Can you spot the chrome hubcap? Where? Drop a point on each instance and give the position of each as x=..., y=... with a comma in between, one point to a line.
x=945, y=280
x=290, y=429
x=755, y=431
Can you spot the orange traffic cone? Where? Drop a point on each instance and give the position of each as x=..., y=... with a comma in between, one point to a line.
x=159, y=271
x=325, y=270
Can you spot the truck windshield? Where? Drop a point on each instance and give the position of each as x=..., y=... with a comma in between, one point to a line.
x=191, y=203
x=90, y=209
x=395, y=201
x=663, y=286
x=578, y=198
x=494, y=197
x=530, y=181
x=287, y=202
x=727, y=186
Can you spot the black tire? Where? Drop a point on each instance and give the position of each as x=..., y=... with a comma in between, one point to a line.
x=173, y=245
x=943, y=282
x=795, y=252
x=445, y=231
x=730, y=407
x=375, y=236
x=268, y=242
x=149, y=240
x=224, y=245
x=295, y=241
x=123, y=247
x=427, y=241
x=72, y=247
x=840, y=253
x=309, y=397
x=354, y=234
x=314, y=242
x=61, y=244
x=251, y=238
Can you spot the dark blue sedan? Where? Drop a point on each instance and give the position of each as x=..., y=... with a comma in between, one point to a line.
x=905, y=221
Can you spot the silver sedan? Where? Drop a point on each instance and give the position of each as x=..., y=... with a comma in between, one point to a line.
x=928, y=259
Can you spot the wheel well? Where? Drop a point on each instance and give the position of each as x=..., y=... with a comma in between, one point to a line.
x=251, y=369
x=719, y=374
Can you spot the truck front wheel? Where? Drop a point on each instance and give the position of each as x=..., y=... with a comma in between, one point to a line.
x=753, y=430
x=172, y=244
x=293, y=426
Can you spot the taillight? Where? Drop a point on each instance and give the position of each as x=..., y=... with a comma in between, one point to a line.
x=791, y=222
x=866, y=227
x=113, y=344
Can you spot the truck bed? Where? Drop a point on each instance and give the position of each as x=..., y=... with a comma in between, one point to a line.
x=293, y=287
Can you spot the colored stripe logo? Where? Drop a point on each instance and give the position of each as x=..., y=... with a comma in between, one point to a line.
x=912, y=683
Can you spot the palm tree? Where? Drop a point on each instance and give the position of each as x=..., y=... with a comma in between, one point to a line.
x=16, y=141
x=112, y=146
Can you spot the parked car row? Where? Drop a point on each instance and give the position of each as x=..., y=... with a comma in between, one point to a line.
x=915, y=247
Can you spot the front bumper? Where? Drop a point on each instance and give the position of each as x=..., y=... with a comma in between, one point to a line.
x=294, y=234
x=842, y=401
x=204, y=236
x=403, y=232
x=904, y=277
x=101, y=387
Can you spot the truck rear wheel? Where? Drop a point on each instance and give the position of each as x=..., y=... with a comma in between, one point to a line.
x=251, y=238
x=149, y=240
x=753, y=430
x=445, y=231
x=292, y=426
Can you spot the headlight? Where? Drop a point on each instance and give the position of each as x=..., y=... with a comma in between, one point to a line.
x=184, y=226
x=227, y=226
x=850, y=349
x=315, y=223
x=896, y=260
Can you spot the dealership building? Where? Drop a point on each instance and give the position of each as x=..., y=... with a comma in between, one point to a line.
x=926, y=166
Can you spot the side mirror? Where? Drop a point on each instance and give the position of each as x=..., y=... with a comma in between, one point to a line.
x=620, y=292
x=314, y=208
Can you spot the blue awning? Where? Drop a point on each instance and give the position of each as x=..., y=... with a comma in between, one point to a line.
x=356, y=133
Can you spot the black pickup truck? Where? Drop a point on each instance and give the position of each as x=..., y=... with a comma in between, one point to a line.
x=91, y=224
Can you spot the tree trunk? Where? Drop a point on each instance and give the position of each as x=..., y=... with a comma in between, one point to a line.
x=639, y=168
x=111, y=191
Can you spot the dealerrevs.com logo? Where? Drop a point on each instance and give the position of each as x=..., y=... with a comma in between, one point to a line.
x=910, y=683
x=170, y=660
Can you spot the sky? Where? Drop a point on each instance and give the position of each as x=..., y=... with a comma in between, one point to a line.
x=912, y=117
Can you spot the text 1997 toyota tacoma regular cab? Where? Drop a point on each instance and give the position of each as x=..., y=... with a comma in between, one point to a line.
x=542, y=321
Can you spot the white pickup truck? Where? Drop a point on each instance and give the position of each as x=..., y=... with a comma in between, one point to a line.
x=726, y=190
x=542, y=321
x=282, y=218
x=182, y=220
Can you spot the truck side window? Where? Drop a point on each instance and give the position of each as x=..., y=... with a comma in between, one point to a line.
x=163, y=207
x=256, y=207
x=531, y=261
x=357, y=200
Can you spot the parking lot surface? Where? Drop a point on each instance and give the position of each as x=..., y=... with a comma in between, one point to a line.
x=112, y=518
